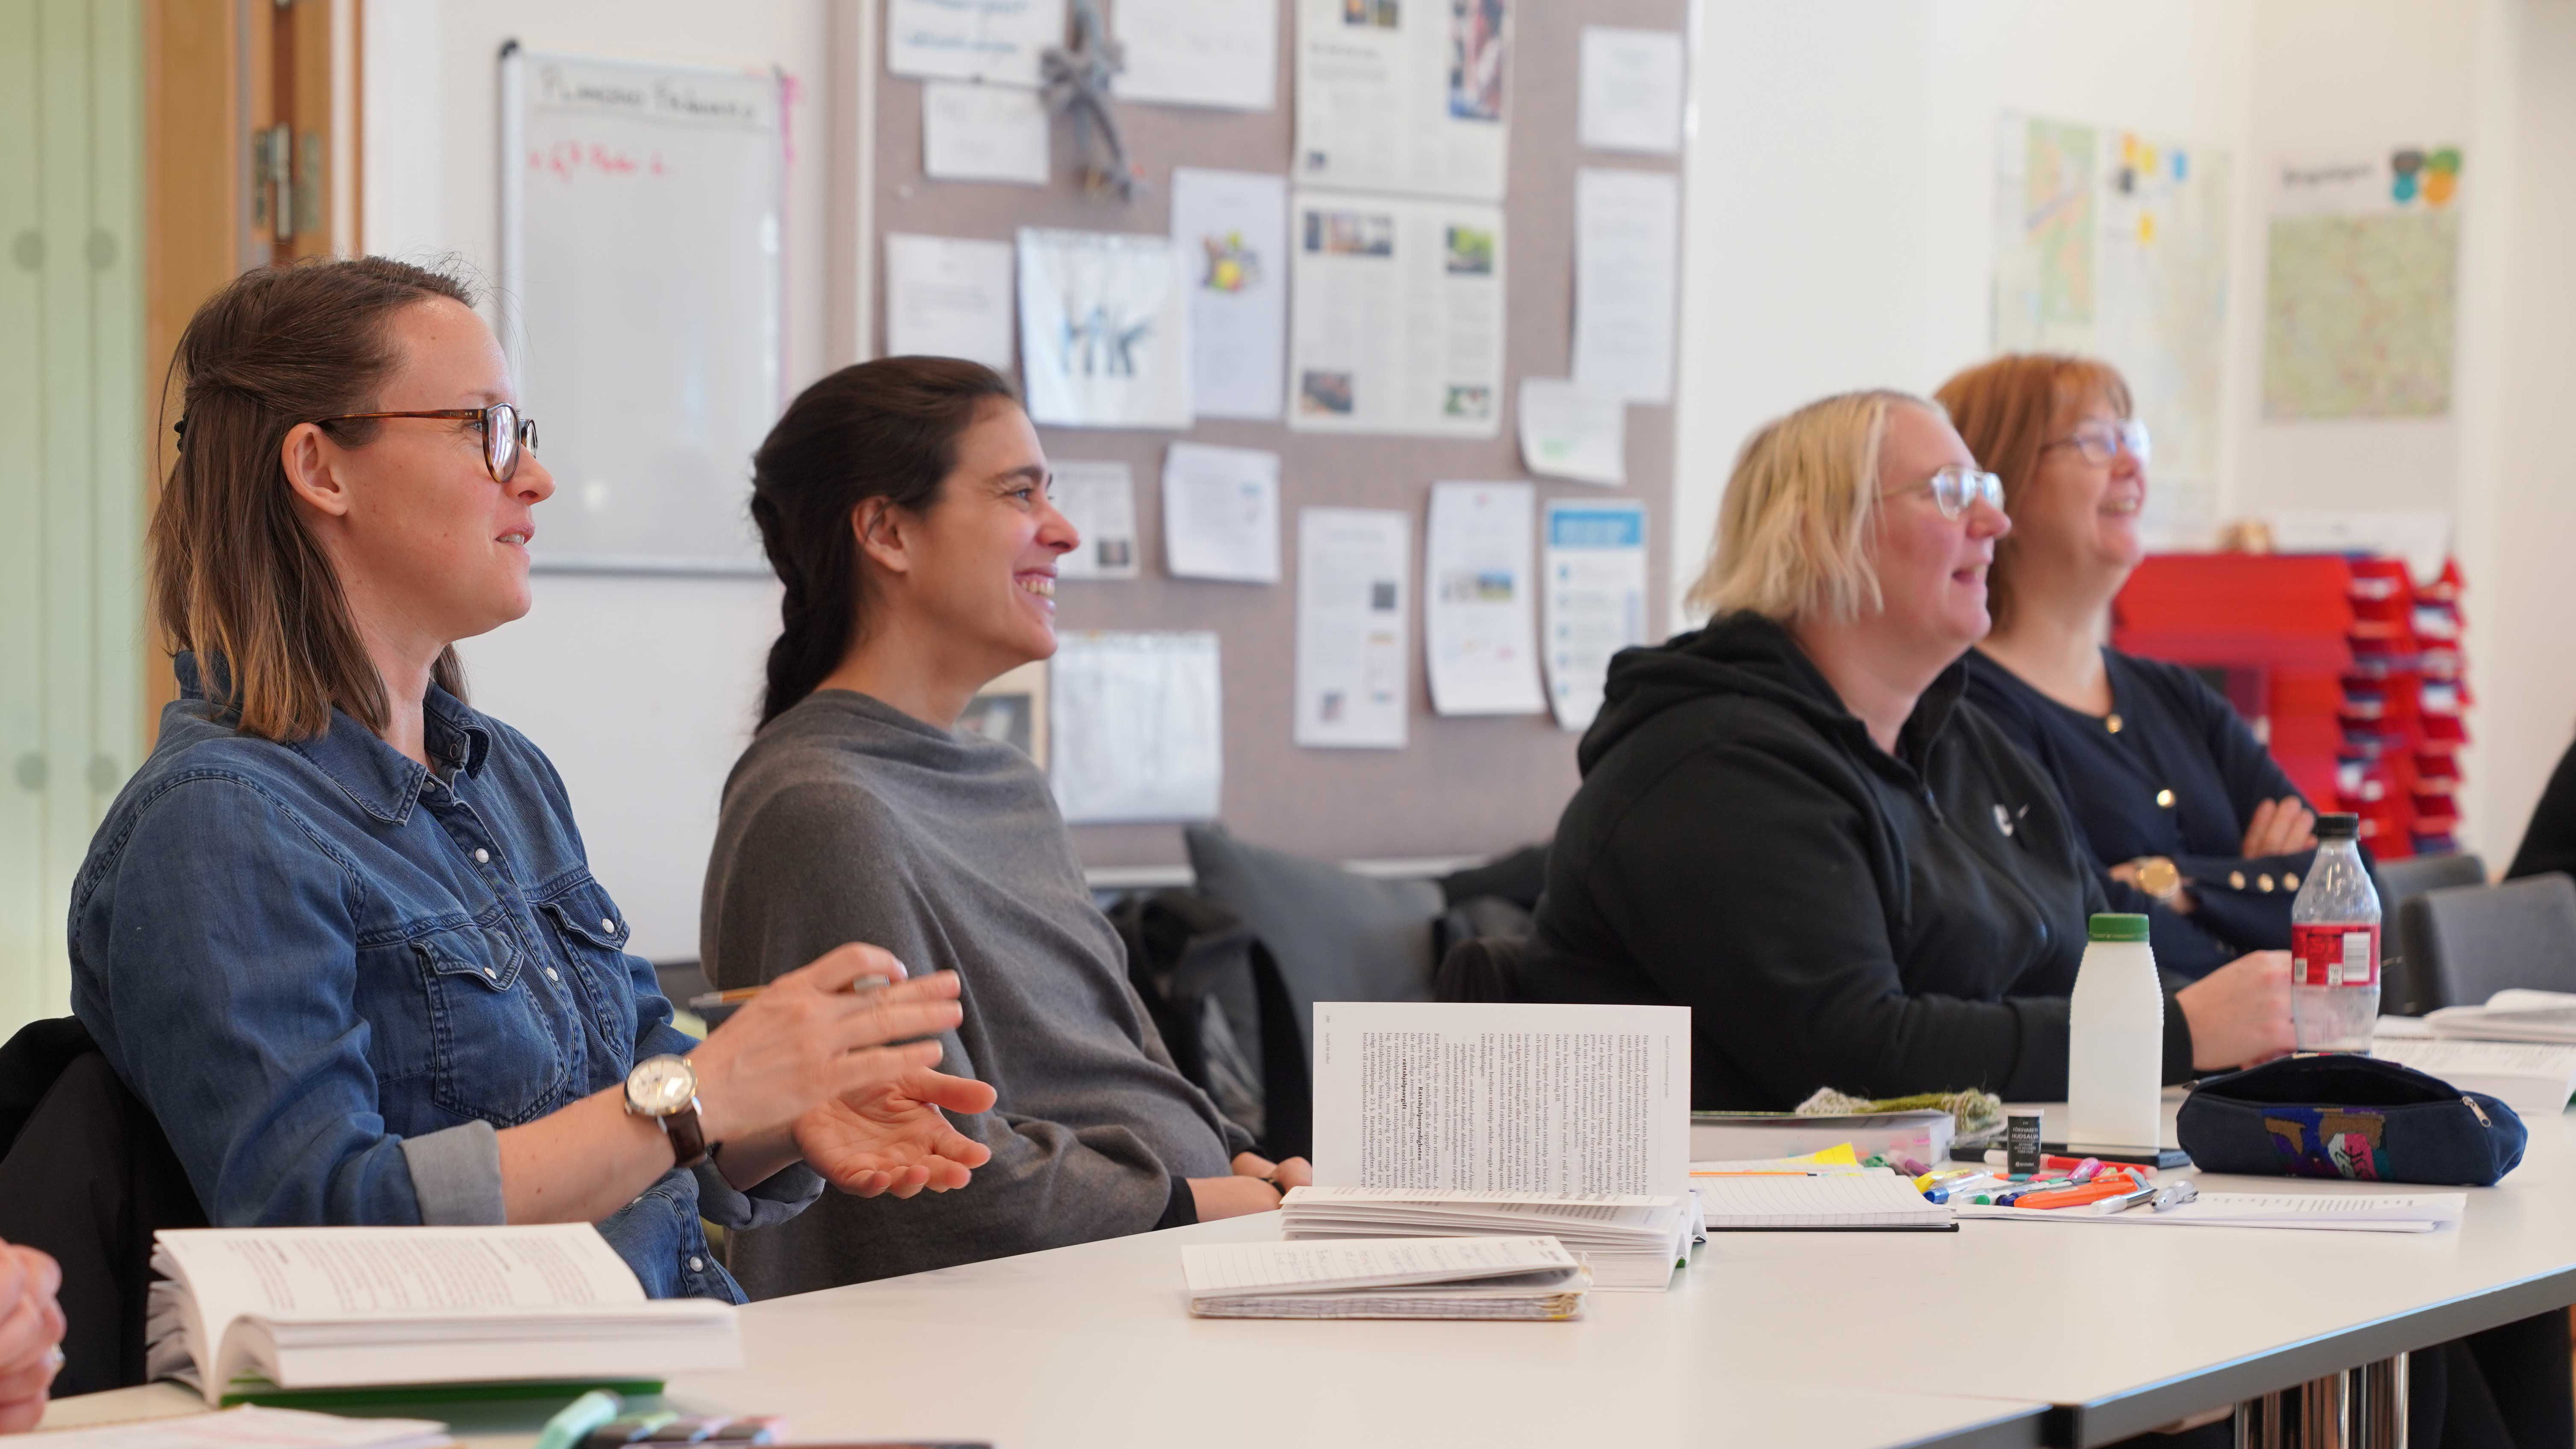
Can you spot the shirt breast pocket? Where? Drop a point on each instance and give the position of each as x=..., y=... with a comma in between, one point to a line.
x=593, y=935
x=497, y=1051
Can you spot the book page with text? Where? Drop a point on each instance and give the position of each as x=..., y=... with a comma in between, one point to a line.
x=1570, y=1100
x=320, y=1274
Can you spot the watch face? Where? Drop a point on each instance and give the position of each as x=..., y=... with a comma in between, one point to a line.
x=661, y=1086
x=2157, y=877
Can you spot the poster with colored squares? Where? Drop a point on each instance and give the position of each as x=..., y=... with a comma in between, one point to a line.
x=2114, y=244
x=2361, y=285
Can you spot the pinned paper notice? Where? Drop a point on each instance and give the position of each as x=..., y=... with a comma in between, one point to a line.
x=1138, y=727
x=949, y=297
x=1632, y=90
x=1099, y=500
x=1478, y=620
x=1594, y=575
x=983, y=133
x=1568, y=431
x=1221, y=513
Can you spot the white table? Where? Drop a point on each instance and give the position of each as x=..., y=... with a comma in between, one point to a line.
x=1828, y=1339
x=1091, y=1346
x=2217, y=1315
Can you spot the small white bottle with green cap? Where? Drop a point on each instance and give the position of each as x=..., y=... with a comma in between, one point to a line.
x=2115, y=1042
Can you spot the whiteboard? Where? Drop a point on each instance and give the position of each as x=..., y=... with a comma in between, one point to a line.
x=642, y=300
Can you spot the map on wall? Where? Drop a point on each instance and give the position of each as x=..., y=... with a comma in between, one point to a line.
x=2114, y=245
x=2362, y=286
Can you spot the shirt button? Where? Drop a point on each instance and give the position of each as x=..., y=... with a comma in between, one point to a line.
x=484, y=857
x=608, y=925
x=2263, y=883
x=697, y=1264
x=491, y=975
x=550, y=974
x=2236, y=880
x=2112, y=723
x=2165, y=798
x=2289, y=882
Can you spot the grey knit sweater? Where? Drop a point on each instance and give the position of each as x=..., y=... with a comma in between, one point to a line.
x=848, y=820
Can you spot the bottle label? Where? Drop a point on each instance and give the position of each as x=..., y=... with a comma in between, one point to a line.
x=2334, y=955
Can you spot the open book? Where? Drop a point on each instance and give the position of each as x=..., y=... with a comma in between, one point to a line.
x=1628, y=1240
x=2517, y=1014
x=1502, y=1278
x=1476, y=1119
x=2533, y=1078
x=241, y=1310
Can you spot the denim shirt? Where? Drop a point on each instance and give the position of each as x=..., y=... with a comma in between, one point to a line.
x=333, y=974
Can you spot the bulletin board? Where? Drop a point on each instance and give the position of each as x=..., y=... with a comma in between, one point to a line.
x=1460, y=785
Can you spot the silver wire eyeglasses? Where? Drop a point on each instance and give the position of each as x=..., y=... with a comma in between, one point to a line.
x=2100, y=441
x=1958, y=489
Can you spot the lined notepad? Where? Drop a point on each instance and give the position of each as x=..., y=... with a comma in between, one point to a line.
x=1629, y=1240
x=1496, y=1278
x=2414, y=1212
x=1817, y=1204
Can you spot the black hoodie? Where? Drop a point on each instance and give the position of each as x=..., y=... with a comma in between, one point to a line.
x=1834, y=916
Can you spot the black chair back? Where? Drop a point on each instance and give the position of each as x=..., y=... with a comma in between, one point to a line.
x=2479, y=940
x=86, y=1175
x=2407, y=988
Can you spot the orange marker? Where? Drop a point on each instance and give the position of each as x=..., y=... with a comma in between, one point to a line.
x=2093, y=1191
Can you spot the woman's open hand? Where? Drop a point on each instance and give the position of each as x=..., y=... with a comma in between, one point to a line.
x=891, y=1138
x=31, y=1335
x=2280, y=827
x=810, y=1039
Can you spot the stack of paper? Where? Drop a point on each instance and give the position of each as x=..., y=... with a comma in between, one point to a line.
x=256, y=1428
x=1924, y=1135
x=1865, y=1203
x=1501, y=1278
x=242, y=1311
x=1630, y=1241
x=2533, y=1078
x=2514, y=1015
x=2420, y=1212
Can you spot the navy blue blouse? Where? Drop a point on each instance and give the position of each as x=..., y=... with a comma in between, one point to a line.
x=2174, y=771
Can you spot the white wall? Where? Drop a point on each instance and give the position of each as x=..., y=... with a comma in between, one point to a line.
x=1841, y=235
x=1841, y=187
x=641, y=689
x=2520, y=528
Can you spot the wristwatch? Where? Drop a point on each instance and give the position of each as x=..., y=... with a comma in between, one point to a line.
x=2158, y=877
x=665, y=1088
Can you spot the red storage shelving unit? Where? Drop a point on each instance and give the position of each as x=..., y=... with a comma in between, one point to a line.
x=2352, y=674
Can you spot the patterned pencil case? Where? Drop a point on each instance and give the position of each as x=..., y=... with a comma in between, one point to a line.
x=2352, y=1117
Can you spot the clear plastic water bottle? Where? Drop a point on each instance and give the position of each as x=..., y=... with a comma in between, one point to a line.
x=2334, y=945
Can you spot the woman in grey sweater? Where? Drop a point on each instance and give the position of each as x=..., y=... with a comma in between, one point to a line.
x=904, y=504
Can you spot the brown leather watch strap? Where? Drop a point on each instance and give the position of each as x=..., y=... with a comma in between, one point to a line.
x=688, y=1136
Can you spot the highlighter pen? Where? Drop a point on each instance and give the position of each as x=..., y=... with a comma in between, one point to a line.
x=2077, y=1196
x=2088, y=1169
x=2108, y=1206
x=574, y=1421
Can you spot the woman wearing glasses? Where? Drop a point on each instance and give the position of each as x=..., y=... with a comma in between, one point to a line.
x=2179, y=807
x=338, y=931
x=1790, y=822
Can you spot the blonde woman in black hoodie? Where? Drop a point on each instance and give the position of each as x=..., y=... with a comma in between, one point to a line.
x=1791, y=823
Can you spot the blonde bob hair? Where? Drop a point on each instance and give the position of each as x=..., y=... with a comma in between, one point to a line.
x=1793, y=530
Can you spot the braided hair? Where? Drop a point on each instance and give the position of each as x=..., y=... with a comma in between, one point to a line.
x=884, y=429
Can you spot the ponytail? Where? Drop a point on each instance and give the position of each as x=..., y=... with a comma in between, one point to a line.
x=884, y=429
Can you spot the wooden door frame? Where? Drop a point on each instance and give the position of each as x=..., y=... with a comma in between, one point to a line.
x=208, y=80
